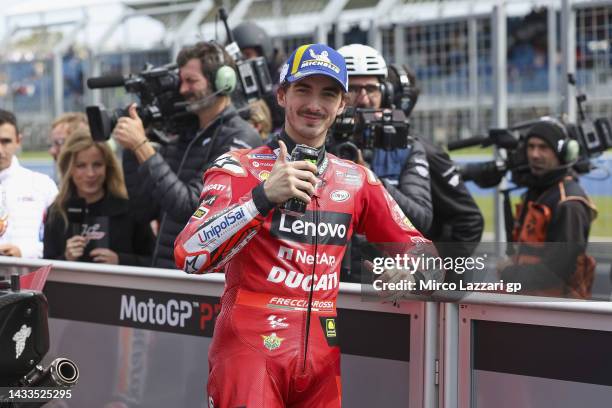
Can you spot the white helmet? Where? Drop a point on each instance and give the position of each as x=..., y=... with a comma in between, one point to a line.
x=363, y=60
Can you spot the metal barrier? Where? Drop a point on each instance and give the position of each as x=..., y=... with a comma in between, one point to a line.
x=539, y=353
x=140, y=335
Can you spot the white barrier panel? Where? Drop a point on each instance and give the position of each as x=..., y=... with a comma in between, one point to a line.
x=141, y=336
x=544, y=354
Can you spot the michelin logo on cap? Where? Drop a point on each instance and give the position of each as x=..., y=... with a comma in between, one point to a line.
x=315, y=59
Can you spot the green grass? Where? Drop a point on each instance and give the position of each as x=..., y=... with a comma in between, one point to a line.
x=473, y=151
x=35, y=155
x=601, y=227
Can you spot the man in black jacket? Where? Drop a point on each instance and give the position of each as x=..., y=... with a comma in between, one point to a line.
x=553, y=221
x=165, y=185
x=422, y=179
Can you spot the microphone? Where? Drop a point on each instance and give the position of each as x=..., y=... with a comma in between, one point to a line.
x=194, y=107
x=110, y=81
x=76, y=209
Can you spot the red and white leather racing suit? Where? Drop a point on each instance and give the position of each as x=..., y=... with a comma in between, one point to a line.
x=268, y=349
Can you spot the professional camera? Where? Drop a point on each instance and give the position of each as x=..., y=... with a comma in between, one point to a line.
x=24, y=341
x=368, y=129
x=253, y=73
x=593, y=138
x=160, y=107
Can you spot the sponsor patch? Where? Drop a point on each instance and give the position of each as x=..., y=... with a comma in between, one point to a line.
x=350, y=177
x=272, y=342
x=328, y=324
x=216, y=229
x=262, y=156
x=339, y=196
x=293, y=279
x=194, y=263
x=277, y=322
x=209, y=200
x=200, y=212
x=229, y=164
x=263, y=175
x=332, y=227
x=215, y=187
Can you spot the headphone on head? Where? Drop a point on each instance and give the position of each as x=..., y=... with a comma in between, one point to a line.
x=398, y=90
x=224, y=79
x=568, y=148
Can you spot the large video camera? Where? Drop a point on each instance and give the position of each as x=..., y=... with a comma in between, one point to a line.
x=593, y=137
x=161, y=105
x=368, y=129
x=24, y=341
x=253, y=73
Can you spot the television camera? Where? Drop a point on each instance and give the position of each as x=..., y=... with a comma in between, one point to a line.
x=368, y=129
x=24, y=341
x=593, y=138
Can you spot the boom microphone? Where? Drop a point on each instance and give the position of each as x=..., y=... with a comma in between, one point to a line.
x=110, y=81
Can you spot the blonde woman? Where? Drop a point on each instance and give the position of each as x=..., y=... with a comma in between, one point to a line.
x=92, y=182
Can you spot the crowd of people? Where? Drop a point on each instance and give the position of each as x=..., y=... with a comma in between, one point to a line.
x=130, y=213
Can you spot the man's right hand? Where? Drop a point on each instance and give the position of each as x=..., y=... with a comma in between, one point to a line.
x=129, y=131
x=75, y=247
x=290, y=179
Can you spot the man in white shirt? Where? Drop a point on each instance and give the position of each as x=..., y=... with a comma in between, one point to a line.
x=25, y=196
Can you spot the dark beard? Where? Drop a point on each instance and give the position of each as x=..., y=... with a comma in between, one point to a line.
x=202, y=103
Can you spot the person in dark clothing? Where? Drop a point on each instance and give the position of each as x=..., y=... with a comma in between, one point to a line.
x=254, y=42
x=553, y=220
x=165, y=185
x=108, y=232
x=457, y=223
x=421, y=178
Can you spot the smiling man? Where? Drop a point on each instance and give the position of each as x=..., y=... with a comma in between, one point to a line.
x=24, y=196
x=275, y=342
x=554, y=219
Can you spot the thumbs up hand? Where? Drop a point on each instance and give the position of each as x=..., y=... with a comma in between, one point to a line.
x=290, y=179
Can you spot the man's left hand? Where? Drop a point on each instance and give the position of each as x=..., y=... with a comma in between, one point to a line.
x=129, y=131
x=10, y=250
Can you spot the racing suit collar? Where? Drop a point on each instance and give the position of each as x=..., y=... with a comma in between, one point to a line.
x=291, y=144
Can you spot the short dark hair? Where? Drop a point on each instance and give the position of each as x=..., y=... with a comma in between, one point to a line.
x=10, y=118
x=212, y=56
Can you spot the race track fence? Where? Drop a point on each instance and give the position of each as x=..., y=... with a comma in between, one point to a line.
x=140, y=336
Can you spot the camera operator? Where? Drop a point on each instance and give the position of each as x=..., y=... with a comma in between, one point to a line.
x=404, y=172
x=422, y=178
x=166, y=185
x=254, y=42
x=554, y=210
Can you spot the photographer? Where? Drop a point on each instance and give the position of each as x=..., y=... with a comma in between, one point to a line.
x=404, y=172
x=421, y=178
x=553, y=220
x=165, y=185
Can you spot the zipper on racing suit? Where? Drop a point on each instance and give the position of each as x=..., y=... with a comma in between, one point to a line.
x=315, y=219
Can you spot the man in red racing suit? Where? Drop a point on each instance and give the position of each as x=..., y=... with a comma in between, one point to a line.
x=275, y=340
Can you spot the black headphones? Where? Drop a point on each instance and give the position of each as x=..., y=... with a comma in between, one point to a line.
x=402, y=93
x=224, y=79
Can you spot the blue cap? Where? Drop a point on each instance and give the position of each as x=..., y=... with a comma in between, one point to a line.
x=315, y=59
